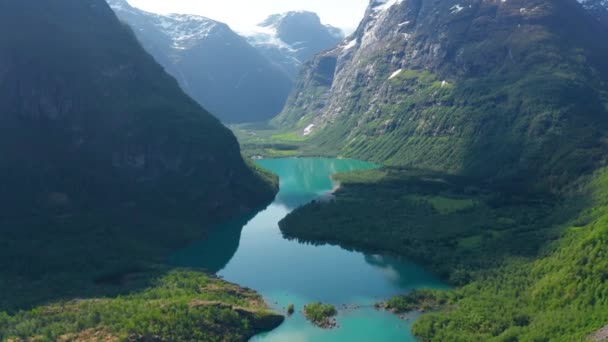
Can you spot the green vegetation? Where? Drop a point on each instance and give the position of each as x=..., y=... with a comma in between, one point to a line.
x=445, y=205
x=114, y=261
x=413, y=211
x=509, y=122
x=528, y=267
x=179, y=306
x=106, y=166
x=559, y=296
x=117, y=131
x=267, y=141
x=291, y=309
x=321, y=315
x=451, y=128
x=524, y=103
x=419, y=300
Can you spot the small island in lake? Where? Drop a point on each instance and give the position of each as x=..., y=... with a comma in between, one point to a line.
x=321, y=315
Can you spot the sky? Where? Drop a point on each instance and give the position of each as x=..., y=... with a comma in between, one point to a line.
x=244, y=14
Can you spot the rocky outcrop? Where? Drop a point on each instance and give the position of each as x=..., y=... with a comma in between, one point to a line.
x=600, y=335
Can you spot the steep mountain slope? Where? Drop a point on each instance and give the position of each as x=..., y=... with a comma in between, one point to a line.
x=213, y=64
x=494, y=89
x=512, y=95
x=293, y=38
x=88, y=117
x=106, y=166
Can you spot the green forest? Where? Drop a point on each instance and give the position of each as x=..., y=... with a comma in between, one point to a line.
x=526, y=267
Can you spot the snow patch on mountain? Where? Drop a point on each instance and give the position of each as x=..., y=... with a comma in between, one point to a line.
x=395, y=74
x=350, y=44
x=383, y=5
x=292, y=38
x=185, y=30
x=265, y=35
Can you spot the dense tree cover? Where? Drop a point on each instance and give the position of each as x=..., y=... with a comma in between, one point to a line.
x=529, y=267
x=561, y=296
x=444, y=221
x=89, y=119
x=179, y=306
x=320, y=314
x=418, y=300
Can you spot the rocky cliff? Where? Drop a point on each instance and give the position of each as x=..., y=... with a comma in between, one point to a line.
x=501, y=89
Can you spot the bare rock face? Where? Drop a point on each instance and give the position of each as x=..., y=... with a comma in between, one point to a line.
x=460, y=86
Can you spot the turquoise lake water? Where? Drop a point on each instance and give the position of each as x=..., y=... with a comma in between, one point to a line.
x=253, y=253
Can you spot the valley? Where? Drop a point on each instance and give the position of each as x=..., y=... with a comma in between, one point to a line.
x=440, y=174
x=289, y=272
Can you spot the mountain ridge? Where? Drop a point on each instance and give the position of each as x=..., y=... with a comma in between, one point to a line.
x=410, y=78
x=292, y=38
x=212, y=63
x=109, y=122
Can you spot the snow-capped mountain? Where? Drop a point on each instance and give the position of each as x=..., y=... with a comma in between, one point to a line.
x=211, y=62
x=598, y=8
x=293, y=38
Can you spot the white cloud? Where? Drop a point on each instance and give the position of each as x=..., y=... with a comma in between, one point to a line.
x=242, y=14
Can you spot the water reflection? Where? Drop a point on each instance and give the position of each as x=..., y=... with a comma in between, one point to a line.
x=214, y=253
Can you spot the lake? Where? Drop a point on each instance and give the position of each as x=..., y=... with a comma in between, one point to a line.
x=252, y=252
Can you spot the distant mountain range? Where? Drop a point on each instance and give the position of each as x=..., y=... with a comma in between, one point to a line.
x=233, y=79
x=293, y=38
x=212, y=63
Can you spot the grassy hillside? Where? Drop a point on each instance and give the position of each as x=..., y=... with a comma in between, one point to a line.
x=179, y=306
x=529, y=267
x=500, y=90
x=561, y=296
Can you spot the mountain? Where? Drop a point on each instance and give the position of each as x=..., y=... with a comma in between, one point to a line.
x=212, y=63
x=293, y=38
x=506, y=102
x=501, y=90
x=88, y=120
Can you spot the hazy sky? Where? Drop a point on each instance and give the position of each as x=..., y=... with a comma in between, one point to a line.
x=241, y=14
